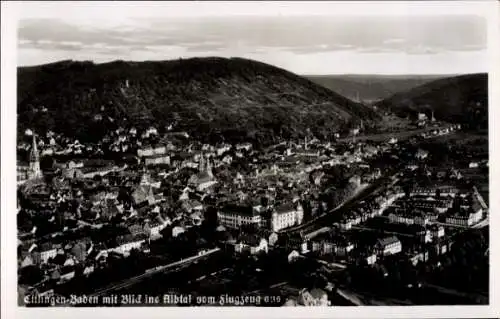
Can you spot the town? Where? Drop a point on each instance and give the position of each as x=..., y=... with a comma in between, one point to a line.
x=303, y=222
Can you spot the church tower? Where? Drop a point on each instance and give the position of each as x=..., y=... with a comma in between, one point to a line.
x=208, y=168
x=145, y=180
x=201, y=163
x=34, y=168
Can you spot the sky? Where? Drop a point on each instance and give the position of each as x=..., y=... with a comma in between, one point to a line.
x=316, y=38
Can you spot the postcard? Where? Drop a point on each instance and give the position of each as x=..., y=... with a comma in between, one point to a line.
x=248, y=159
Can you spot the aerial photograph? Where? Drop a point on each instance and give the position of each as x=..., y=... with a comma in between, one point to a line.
x=171, y=157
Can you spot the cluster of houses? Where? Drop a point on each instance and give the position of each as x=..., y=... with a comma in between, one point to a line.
x=92, y=196
x=441, y=131
x=51, y=144
x=429, y=205
x=375, y=206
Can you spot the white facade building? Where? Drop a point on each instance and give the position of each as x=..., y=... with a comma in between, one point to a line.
x=388, y=246
x=235, y=217
x=286, y=216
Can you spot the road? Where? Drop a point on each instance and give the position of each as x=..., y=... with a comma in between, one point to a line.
x=385, y=232
x=162, y=269
x=485, y=222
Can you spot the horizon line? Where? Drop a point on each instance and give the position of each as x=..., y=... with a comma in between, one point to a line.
x=237, y=57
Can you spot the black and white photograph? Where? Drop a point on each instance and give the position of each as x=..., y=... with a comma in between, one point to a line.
x=273, y=154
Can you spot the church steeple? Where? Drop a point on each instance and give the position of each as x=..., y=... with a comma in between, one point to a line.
x=34, y=168
x=145, y=176
x=201, y=163
x=34, y=156
x=208, y=168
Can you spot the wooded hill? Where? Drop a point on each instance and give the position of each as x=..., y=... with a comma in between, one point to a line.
x=210, y=98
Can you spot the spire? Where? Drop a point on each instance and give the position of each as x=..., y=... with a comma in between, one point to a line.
x=34, y=169
x=145, y=176
x=34, y=156
x=201, y=164
x=208, y=168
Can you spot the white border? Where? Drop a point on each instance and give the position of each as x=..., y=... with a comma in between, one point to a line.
x=9, y=12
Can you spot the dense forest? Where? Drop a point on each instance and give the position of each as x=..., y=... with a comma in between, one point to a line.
x=459, y=99
x=233, y=98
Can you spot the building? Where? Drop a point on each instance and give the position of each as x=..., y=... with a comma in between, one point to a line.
x=157, y=159
x=419, y=257
x=47, y=251
x=473, y=165
x=343, y=247
x=464, y=219
x=67, y=273
x=437, y=231
x=388, y=246
x=155, y=228
x=476, y=213
x=422, y=117
x=363, y=257
x=151, y=151
x=34, y=170
x=421, y=154
x=72, y=171
x=247, y=146
x=144, y=192
x=370, y=258
x=234, y=216
x=293, y=242
x=286, y=215
x=177, y=230
x=222, y=149
x=345, y=224
x=22, y=173
x=128, y=242
x=252, y=244
x=421, y=219
x=401, y=217
x=431, y=191
x=205, y=178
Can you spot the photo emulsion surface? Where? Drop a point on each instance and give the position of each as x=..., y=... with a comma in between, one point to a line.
x=262, y=159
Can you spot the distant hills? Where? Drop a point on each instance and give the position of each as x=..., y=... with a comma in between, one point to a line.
x=371, y=88
x=462, y=99
x=211, y=98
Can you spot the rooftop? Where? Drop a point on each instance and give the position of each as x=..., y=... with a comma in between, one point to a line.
x=387, y=241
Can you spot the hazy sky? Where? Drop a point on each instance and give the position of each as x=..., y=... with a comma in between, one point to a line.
x=305, y=40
